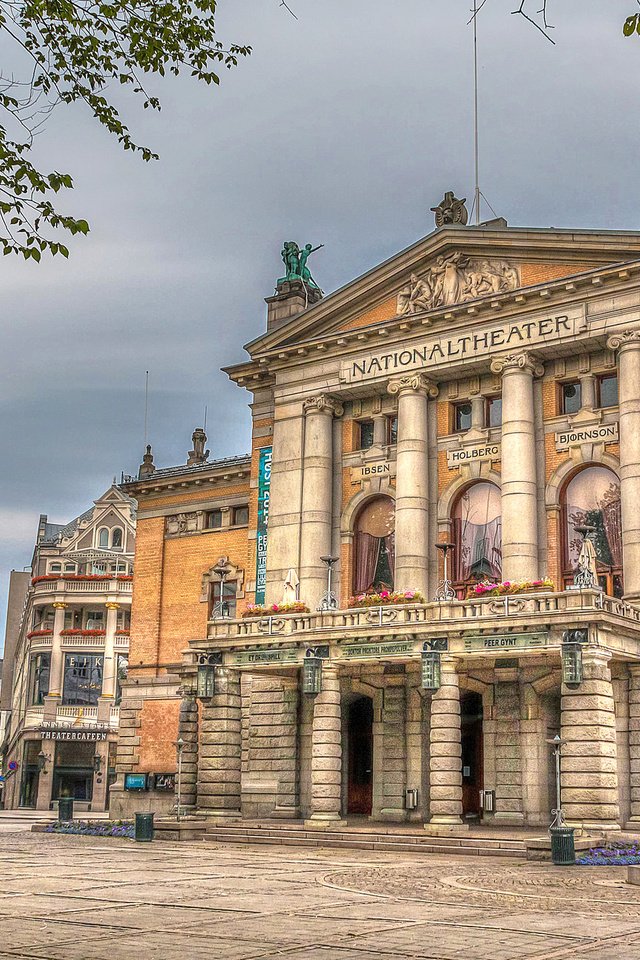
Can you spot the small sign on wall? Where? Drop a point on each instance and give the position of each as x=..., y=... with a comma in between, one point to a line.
x=604, y=433
x=375, y=470
x=484, y=451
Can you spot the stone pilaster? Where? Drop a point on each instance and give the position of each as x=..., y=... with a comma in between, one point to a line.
x=317, y=496
x=445, y=761
x=394, y=755
x=326, y=751
x=188, y=733
x=628, y=346
x=589, y=777
x=412, y=482
x=508, y=756
x=283, y=550
x=220, y=753
x=634, y=744
x=270, y=781
x=519, y=487
x=56, y=670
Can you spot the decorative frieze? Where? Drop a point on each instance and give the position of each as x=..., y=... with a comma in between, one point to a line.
x=456, y=279
x=183, y=524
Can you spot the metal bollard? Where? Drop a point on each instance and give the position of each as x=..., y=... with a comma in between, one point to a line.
x=144, y=827
x=563, y=851
x=65, y=808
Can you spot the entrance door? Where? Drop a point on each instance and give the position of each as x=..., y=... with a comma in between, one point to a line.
x=472, y=754
x=360, y=747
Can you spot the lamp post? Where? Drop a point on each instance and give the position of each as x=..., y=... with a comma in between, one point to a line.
x=221, y=608
x=445, y=591
x=329, y=601
x=432, y=662
x=558, y=816
x=180, y=746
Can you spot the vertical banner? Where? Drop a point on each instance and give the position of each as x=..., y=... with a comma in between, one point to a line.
x=264, y=487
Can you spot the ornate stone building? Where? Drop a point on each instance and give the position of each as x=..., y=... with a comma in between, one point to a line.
x=455, y=435
x=68, y=651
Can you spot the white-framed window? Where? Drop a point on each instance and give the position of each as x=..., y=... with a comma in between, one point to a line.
x=117, y=538
x=69, y=568
x=55, y=568
x=103, y=537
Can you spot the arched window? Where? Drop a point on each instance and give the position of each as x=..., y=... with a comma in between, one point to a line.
x=477, y=534
x=116, y=538
x=592, y=498
x=103, y=538
x=375, y=546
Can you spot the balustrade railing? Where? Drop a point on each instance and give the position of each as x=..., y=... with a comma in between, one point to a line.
x=83, y=586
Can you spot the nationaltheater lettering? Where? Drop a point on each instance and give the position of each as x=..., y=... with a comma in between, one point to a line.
x=463, y=346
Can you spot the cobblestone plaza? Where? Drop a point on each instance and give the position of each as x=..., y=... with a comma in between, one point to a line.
x=82, y=898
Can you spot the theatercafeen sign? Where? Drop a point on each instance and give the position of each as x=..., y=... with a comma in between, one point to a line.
x=61, y=731
x=491, y=339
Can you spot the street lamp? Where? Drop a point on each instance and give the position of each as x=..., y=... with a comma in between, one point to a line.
x=42, y=762
x=312, y=669
x=571, y=652
x=206, y=682
x=329, y=601
x=432, y=663
x=180, y=746
x=221, y=609
x=445, y=591
x=558, y=816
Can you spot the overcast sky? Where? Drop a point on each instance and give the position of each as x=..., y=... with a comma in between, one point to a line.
x=344, y=127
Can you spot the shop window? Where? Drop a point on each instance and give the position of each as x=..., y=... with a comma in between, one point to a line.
x=240, y=516
x=82, y=679
x=116, y=538
x=222, y=604
x=392, y=429
x=365, y=430
x=375, y=546
x=592, y=498
x=461, y=416
x=103, y=538
x=607, y=387
x=214, y=519
x=39, y=669
x=477, y=528
x=570, y=397
x=73, y=770
x=494, y=412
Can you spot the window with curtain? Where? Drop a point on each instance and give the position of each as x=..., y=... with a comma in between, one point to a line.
x=477, y=529
x=375, y=546
x=592, y=498
x=103, y=537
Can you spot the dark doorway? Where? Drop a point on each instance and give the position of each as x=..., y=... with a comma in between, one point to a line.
x=472, y=754
x=73, y=771
x=360, y=747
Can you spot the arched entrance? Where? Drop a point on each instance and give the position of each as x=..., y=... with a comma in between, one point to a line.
x=360, y=756
x=472, y=753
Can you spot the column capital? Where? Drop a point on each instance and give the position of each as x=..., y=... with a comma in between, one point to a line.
x=323, y=403
x=625, y=338
x=517, y=361
x=59, y=605
x=417, y=382
x=112, y=605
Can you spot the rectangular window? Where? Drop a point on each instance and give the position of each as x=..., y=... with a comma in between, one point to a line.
x=214, y=519
x=366, y=434
x=608, y=391
x=461, y=416
x=494, y=411
x=392, y=423
x=226, y=608
x=39, y=678
x=82, y=679
x=240, y=516
x=571, y=396
x=95, y=620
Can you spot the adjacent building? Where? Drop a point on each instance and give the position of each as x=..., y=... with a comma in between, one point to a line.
x=453, y=438
x=68, y=651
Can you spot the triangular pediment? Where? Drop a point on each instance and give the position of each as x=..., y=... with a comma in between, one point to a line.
x=452, y=266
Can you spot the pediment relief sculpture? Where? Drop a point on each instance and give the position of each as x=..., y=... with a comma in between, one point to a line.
x=455, y=279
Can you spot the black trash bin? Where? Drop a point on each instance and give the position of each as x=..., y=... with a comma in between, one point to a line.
x=65, y=808
x=563, y=851
x=144, y=827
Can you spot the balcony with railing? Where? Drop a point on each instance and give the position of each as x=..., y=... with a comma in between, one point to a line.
x=75, y=588
x=551, y=609
x=74, y=715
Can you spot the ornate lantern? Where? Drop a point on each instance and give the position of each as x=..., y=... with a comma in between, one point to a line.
x=432, y=663
x=312, y=669
x=572, y=643
x=206, y=684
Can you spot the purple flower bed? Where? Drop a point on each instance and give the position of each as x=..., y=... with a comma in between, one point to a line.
x=92, y=828
x=612, y=855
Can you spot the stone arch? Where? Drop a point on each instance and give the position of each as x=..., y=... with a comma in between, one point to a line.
x=563, y=473
x=360, y=500
x=457, y=486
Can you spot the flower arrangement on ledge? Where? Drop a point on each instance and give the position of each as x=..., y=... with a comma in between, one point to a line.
x=256, y=610
x=79, y=632
x=39, y=633
x=93, y=828
x=385, y=598
x=510, y=587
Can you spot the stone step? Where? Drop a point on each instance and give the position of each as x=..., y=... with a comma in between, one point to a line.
x=356, y=842
x=275, y=834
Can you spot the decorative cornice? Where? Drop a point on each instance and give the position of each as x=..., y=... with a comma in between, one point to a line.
x=517, y=361
x=625, y=338
x=323, y=403
x=417, y=382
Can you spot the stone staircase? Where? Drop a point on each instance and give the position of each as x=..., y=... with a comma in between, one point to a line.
x=376, y=837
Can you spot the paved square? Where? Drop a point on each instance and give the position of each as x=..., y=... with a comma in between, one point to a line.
x=86, y=898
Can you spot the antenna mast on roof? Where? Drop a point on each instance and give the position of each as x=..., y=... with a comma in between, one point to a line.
x=146, y=407
x=478, y=195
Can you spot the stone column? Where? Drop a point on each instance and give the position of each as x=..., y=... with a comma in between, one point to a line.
x=326, y=751
x=628, y=346
x=56, y=670
x=317, y=496
x=394, y=751
x=519, y=487
x=188, y=733
x=588, y=391
x=634, y=745
x=380, y=438
x=220, y=755
x=445, y=761
x=589, y=777
x=412, y=482
x=110, y=664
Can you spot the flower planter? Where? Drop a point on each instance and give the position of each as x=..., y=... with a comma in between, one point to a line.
x=386, y=598
x=275, y=610
x=510, y=588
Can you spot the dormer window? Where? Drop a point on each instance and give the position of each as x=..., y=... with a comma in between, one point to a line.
x=116, y=538
x=103, y=538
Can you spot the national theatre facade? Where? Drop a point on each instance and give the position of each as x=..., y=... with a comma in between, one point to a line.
x=429, y=565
